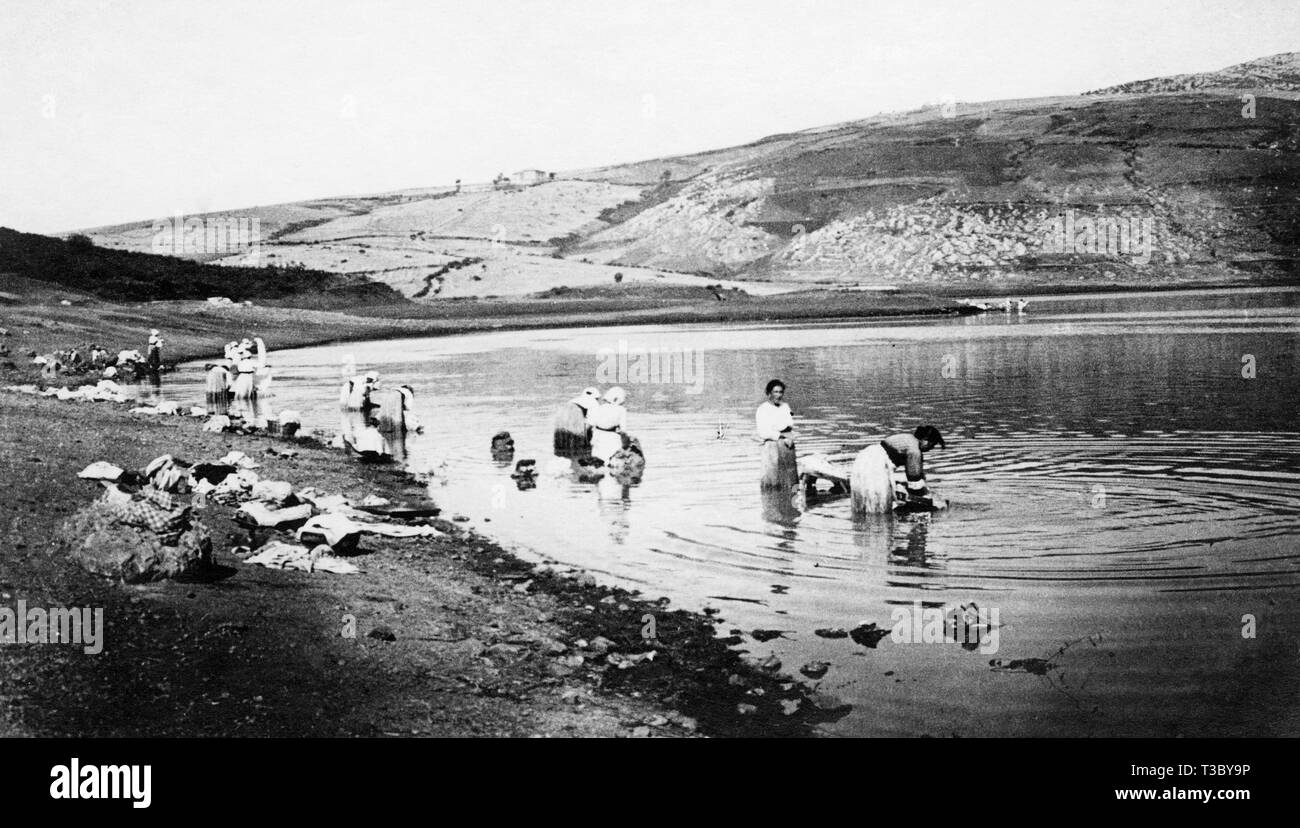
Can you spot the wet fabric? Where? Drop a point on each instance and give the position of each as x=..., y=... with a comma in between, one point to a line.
x=571, y=434
x=871, y=482
x=780, y=469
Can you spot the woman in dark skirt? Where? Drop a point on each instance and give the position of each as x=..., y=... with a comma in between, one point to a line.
x=572, y=433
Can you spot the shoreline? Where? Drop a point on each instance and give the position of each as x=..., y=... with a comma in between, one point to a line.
x=457, y=621
x=542, y=321
x=503, y=648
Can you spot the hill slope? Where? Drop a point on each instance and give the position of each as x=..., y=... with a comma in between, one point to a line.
x=1279, y=73
x=27, y=258
x=1154, y=186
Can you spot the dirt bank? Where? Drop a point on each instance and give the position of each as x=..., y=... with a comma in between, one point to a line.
x=482, y=644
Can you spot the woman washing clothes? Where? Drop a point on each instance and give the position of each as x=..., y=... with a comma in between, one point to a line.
x=572, y=431
x=872, y=477
x=608, y=422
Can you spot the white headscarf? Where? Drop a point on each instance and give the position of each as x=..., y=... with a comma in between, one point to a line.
x=587, y=398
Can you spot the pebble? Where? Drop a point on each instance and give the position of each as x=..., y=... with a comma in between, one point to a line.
x=746, y=709
x=868, y=634
x=815, y=669
x=828, y=702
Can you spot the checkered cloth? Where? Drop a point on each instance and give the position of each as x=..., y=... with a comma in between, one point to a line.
x=156, y=511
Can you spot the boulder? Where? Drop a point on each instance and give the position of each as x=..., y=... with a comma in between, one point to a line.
x=96, y=540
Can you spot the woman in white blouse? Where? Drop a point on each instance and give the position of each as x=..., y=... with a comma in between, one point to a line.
x=774, y=426
x=608, y=422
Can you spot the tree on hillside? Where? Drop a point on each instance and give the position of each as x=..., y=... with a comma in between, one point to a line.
x=80, y=243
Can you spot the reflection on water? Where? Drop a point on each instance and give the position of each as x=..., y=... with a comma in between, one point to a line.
x=1120, y=492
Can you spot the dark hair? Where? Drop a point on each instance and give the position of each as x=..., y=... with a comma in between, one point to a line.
x=773, y=384
x=930, y=434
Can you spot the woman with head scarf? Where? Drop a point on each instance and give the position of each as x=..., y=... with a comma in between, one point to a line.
x=356, y=391
x=608, y=422
x=154, y=358
x=218, y=382
x=245, y=385
x=572, y=434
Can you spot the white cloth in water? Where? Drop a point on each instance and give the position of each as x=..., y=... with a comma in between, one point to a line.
x=557, y=467
x=871, y=481
x=369, y=440
x=819, y=465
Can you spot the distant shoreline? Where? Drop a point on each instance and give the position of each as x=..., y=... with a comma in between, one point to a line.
x=195, y=330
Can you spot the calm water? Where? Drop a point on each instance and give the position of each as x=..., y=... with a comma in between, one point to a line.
x=1120, y=494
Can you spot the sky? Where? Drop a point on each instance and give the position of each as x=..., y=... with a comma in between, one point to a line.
x=113, y=112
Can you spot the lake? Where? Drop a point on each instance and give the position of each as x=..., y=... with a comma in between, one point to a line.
x=1122, y=471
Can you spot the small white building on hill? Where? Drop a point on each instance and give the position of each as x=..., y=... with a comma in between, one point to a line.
x=525, y=178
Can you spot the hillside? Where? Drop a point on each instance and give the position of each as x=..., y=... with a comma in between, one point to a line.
x=28, y=260
x=1158, y=185
x=1279, y=73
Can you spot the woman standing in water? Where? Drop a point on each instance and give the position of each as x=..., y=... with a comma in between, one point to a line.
x=872, y=477
x=774, y=426
x=572, y=433
x=608, y=422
